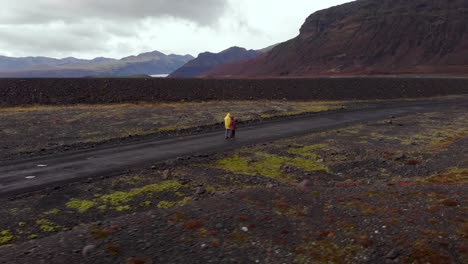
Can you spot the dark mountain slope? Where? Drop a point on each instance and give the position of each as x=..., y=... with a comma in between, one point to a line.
x=208, y=61
x=370, y=37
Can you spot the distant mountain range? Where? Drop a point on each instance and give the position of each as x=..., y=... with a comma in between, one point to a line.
x=150, y=63
x=369, y=37
x=208, y=61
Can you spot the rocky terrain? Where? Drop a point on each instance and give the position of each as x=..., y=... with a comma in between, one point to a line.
x=43, y=91
x=384, y=191
x=370, y=37
x=143, y=64
x=25, y=130
x=208, y=61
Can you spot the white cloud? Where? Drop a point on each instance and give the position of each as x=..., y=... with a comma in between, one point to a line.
x=117, y=28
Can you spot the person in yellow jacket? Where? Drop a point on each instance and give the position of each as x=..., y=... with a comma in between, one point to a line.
x=227, y=125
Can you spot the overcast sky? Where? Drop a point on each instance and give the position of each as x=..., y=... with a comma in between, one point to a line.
x=118, y=28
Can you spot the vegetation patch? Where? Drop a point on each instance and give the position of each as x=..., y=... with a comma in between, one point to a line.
x=81, y=206
x=453, y=176
x=48, y=226
x=33, y=236
x=441, y=136
x=306, y=151
x=305, y=107
x=119, y=200
x=168, y=204
x=326, y=251
x=132, y=180
x=52, y=212
x=270, y=165
x=6, y=237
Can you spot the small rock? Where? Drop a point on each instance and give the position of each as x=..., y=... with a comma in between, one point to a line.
x=304, y=185
x=166, y=174
x=87, y=250
x=399, y=156
x=170, y=162
x=245, y=229
x=184, y=181
x=393, y=254
x=269, y=185
x=200, y=190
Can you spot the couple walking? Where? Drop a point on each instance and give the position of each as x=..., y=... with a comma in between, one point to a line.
x=231, y=124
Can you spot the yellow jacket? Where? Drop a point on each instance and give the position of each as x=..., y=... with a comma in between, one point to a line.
x=227, y=121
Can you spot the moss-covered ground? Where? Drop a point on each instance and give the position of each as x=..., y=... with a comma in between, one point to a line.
x=389, y=191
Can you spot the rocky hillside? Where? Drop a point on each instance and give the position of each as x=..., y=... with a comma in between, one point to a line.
x=370, y=37
x=143, y=64
x=208, y=61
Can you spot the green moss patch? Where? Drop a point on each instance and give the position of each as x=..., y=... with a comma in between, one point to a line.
x=270, y=165
x=48, y=226
x=6, y=237
x=52, y=212
x=81, y=205
x=168, y=204
x=33, y=236
x=120, y=200
x=306, y=151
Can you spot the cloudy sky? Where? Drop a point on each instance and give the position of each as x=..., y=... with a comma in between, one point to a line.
x=118, y=28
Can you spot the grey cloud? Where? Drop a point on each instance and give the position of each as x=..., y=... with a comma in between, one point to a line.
x=64, y=27
x=36, y=40
x=203, y=12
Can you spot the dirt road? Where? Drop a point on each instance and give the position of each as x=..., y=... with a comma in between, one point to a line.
x=23, y=176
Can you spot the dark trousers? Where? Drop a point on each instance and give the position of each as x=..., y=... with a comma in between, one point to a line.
x=233, y=133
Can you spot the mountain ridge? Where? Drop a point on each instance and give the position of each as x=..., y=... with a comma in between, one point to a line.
x=369, y=37
x=207, y=61
x=147, y=63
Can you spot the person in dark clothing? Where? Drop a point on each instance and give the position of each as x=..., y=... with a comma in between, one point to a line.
x=233, y=127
